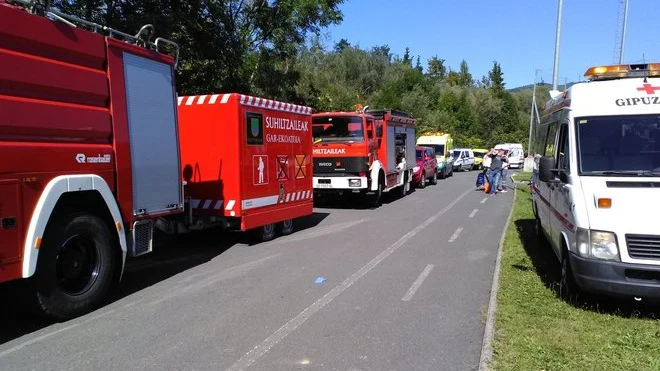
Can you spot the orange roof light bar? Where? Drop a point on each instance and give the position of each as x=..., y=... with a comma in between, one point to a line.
x=622, y=71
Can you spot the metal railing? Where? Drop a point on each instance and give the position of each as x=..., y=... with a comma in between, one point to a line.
x=142, y=38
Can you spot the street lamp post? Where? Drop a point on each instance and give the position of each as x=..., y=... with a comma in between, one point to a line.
x=556, y=65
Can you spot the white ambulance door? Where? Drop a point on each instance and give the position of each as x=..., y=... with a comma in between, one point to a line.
x=561, y=193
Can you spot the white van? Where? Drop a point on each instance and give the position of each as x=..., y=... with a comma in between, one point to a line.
x=516, y=154
x=463, y=159
x=596, y=183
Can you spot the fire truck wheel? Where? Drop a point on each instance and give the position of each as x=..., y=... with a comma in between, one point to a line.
x=75, y=266
x=267, y=232
x=377, y=197
x=286, y=227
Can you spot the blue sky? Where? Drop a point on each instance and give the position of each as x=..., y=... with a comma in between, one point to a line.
x=519, y=34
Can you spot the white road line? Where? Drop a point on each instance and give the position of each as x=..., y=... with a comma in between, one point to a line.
x=484, y=200
x=415, y=286
x=455, y=235
x=260, y=349
x=473, y=213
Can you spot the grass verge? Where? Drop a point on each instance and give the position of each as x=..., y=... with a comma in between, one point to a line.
x=535, y=330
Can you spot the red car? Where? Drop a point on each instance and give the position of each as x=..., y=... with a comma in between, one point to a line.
x=426, y=168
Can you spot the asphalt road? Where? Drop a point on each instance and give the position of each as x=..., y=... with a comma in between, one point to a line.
x=403, y=287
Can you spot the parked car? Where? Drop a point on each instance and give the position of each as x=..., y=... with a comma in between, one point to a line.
x=479, y=154
x=426, y=168
x=463, y=159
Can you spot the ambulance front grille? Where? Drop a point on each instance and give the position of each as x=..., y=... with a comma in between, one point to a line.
x=141, y=238
x=643, y=246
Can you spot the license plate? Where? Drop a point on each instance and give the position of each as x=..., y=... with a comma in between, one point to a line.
x=323, y=185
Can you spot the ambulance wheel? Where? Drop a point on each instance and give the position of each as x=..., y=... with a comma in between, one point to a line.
x=75, y=266
x=285, y=227
x=568, y=290
x=266, y=232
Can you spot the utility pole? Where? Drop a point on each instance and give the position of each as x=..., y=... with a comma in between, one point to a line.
x=623, y=31
x=531, y=113
x=556, y=66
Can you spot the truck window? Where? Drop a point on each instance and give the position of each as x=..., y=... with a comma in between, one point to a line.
x=622, y=145
x=370, y=129
x=550, y=140
x=563, y=154
x=338, y=129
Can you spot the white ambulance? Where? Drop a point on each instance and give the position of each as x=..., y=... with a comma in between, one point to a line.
x=596, y=183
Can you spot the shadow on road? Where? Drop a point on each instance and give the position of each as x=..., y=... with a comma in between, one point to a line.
x=170, y=257
x=548, y=269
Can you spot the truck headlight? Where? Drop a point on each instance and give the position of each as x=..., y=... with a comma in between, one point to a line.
x=597, y=244
x=415, y=169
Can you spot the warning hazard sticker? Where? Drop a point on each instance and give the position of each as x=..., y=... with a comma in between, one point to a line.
x=282, y=167
x=300, y=166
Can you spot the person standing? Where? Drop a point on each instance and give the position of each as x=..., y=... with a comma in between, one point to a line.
x=495, y=171
x=505, y=173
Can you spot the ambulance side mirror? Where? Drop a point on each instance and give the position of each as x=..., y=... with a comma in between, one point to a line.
x=546, y=171
x=379, y=130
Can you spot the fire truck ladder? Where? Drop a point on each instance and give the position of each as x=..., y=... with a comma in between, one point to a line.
x=142, y=38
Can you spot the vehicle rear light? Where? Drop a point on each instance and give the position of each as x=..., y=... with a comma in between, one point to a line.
x=363, y=173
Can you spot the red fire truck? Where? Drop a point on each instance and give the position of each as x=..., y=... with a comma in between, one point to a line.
x=365, y=152
x=89, y=149
x=246, y=162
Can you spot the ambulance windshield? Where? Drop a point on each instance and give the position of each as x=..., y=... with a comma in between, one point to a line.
x=619, y=145
x=346, y=129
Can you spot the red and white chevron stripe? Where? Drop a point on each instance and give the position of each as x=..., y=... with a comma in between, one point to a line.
x=296, y=196
x=245, y=100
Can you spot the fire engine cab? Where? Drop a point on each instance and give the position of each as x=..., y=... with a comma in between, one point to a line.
x=596, y=186
x=89, y=149
x=364, y=152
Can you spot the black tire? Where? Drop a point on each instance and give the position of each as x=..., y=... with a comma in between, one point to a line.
x=422, y=182
x=75, y=266
x=377, y=198
x=568, y=289
x=434, y=179
x=285, y=227
x=267, y=232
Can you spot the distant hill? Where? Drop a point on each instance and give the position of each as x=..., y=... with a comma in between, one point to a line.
x=531, y=86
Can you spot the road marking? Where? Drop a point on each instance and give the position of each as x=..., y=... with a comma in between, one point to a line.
x=455, y=235
x=415, y=286
x=473, y=213
x=484, y=200
x=260, y=349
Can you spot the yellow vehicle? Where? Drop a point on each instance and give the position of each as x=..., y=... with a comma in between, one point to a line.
x=479, y=154
x=443, y=145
